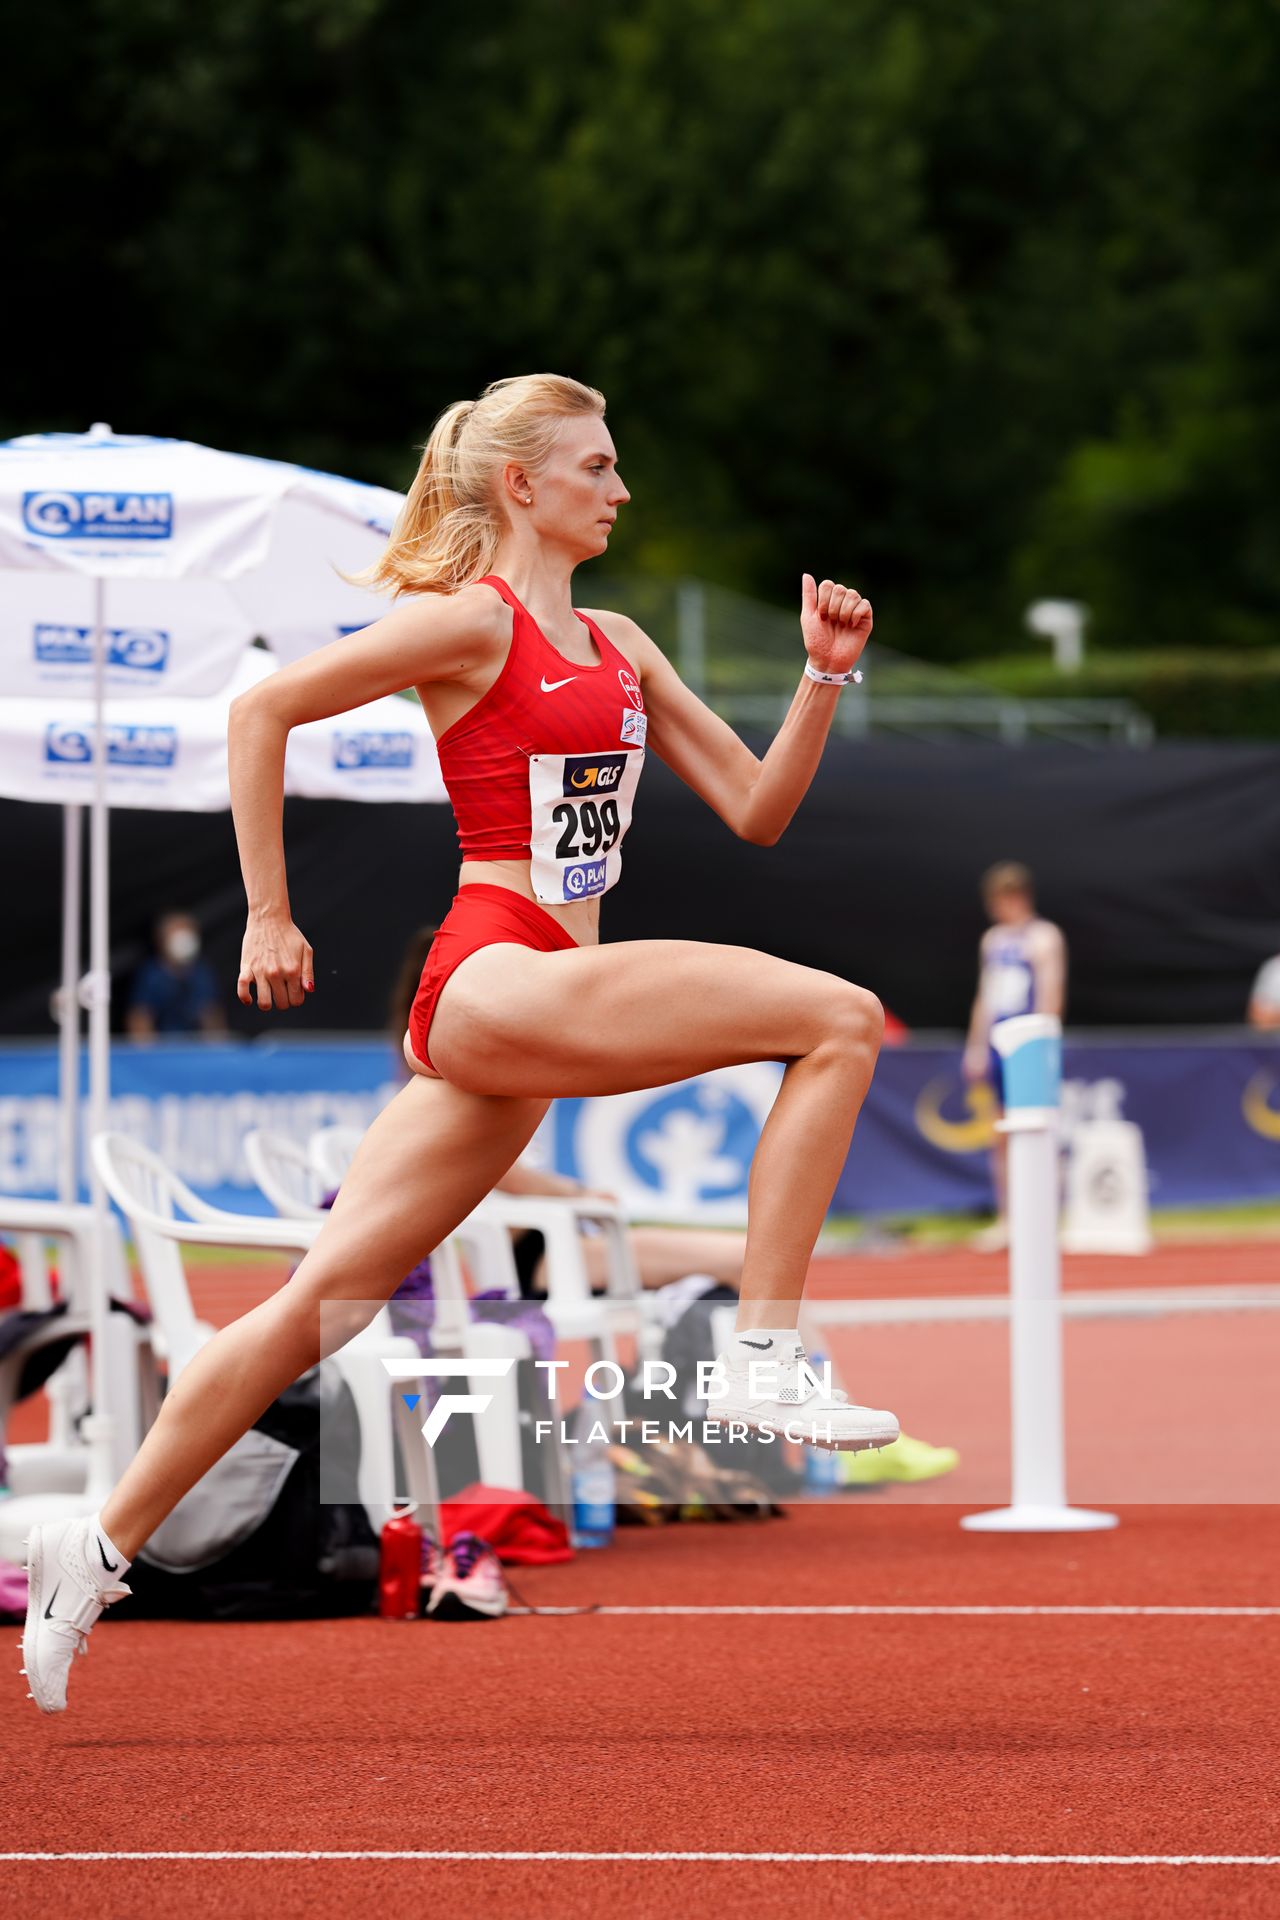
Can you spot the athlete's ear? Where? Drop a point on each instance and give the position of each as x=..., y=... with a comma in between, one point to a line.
x=517, y=485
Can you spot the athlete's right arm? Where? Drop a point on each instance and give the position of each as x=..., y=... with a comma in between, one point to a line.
x=428, y=637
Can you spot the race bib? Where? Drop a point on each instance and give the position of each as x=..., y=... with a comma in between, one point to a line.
x=1010, y=988
x=579, y=809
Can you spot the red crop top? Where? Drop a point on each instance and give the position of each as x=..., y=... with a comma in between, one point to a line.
x=545, y=764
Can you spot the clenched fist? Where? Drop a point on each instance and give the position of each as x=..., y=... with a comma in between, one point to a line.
x=277, y=967
x=836, y=624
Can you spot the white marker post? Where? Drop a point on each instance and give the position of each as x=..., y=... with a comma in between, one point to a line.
x=1030, y=1047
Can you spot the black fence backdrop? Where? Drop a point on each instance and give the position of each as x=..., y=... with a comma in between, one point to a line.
x=1162, y=867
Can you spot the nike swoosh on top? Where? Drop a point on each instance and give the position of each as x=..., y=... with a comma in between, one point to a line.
x=761, y=1346
x=549, y=686
x=112, y=1566
x=48, y=1612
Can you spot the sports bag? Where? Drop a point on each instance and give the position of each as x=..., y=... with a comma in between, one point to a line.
x=252, y=1540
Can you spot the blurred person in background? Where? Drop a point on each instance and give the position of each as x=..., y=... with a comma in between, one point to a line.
x=1264, y=997
x=1022, y=968
x=174, y=991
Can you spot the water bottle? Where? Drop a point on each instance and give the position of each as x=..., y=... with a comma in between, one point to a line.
x=400, y=1567
x=592, y=1486
x=821, y=1464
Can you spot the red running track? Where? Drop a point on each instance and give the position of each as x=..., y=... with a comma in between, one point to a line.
x=220, y=1292
x=926, y=1734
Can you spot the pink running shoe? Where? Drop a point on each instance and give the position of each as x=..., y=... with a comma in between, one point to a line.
x=432, y=1563
x=470, y=1584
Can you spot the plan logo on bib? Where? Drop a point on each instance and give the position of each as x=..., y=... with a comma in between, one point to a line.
x=72, y=746
x=140, y=649
x=590, y=876
x=54, y=514
x=369, y=749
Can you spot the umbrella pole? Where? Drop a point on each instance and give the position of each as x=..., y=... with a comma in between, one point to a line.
x=99, y=1429
x=69, y=1010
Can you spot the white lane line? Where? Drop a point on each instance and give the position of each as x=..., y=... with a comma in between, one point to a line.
x=1077, y=1304
x=643, y=1859
x=1088, y=1613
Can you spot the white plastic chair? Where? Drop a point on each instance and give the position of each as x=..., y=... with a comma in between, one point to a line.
x=60, y=1463
x=574, y=1311
x=285, y=1173
x=331, y=1151
x=153, y=1200
x=485, y=1233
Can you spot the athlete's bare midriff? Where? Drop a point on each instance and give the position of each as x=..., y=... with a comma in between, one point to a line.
x=579, y=918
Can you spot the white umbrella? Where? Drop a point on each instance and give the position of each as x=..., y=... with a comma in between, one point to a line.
x=140, y=563
x=161, y=754
x=171, y=755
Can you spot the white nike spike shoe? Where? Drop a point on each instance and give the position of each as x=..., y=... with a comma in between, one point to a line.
x=71, y=1576
x=782, y=1394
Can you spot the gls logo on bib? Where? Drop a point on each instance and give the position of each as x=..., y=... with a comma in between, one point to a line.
x=593, y=773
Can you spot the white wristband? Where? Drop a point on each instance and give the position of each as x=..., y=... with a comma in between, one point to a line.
x=832, y=679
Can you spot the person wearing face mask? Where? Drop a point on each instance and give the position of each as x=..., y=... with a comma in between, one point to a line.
x=174, y=991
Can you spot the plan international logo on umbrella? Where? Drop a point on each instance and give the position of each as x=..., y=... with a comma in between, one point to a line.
x=69, y=745
x=144, y=649
x=55, y=514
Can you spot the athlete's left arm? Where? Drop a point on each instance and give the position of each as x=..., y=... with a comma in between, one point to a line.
x=1049, y=965
x=755, y=798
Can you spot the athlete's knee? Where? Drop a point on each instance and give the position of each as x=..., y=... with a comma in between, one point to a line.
x=856, y=1019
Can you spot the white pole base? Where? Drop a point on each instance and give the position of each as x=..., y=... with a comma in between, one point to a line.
x=1031, y=1519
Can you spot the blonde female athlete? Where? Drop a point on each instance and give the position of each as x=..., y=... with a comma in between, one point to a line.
x=542, y=715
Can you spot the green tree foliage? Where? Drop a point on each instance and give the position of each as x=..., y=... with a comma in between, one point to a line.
x=970, y=303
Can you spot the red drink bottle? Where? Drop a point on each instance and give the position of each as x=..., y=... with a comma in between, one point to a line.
x=400, y=1568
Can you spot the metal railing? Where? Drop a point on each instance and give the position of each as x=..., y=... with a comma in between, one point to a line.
x=743, y=658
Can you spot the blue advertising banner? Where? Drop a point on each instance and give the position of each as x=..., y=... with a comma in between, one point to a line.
x=1208, y=1108
x=194, y=1103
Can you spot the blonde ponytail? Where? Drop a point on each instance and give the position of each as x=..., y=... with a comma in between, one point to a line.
x=447, y=532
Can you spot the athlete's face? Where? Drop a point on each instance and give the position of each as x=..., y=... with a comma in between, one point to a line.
x=1010, y=908
x=577, y=495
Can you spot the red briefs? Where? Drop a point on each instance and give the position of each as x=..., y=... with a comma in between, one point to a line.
x=479, y=917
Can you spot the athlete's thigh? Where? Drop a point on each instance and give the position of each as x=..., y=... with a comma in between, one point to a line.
x=638, y=1014
x=429, y=1158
